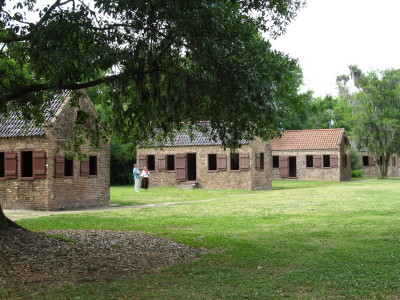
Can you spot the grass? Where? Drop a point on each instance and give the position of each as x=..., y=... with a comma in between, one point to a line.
x=302, y=240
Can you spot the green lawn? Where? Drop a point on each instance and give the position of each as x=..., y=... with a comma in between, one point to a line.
x=309, y=240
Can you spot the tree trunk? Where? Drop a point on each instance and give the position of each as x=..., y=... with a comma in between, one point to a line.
x=6, y=223
x=383, y=165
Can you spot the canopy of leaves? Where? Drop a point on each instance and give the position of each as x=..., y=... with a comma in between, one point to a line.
x=160, y=62
x=375, y=112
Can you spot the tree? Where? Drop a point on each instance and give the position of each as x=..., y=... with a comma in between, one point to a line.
x=160, y=62
x=375, y=112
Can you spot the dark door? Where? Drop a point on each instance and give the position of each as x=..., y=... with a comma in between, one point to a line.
x=292, y=166
x=191, y=166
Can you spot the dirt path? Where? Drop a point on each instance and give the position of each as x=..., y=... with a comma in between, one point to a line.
x=25, y=214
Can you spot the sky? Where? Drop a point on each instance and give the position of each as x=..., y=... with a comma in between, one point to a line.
x=329, y=35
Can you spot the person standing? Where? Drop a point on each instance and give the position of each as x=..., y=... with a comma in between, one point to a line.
x=145, y=178
x=136, y=177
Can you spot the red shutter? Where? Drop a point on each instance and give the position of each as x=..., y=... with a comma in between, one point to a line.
x=221, y=162
x=284, y=166
x=244, y=161
x=142, y=161
x=180, y=167
x=59, y=166
x=334, y=161
x=39, y=164
x=161, y=163
x=371, y=161
x=317, y=161
x=258, y=161
x=10, y=167
x=85, y=167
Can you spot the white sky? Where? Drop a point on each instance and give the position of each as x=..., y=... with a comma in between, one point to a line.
x=329, y=35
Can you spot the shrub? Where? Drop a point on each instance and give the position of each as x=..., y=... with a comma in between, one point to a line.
x=356, y=174
x=356, y=163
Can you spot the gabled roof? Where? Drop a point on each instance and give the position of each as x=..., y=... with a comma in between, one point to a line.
x=310, y=139
x=196, y=138
x=14, y=126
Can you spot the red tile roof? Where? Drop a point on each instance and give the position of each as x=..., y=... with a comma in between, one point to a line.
x=309, y=139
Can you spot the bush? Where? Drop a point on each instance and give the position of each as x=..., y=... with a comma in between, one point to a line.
x=356, y=163
x=356, y=174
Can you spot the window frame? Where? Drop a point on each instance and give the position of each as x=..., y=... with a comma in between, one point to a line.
x=90, y=165
x=326, y=159
x=275, y=161
x=170, y=157
x=2, y=165
x=365, y=160
x=152, y=166
x=231, y=159
x=70, y=161
x=310, y=158
x=23, y=164
x=215, y=162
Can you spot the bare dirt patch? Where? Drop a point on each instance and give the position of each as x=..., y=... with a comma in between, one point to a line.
x=28, y=258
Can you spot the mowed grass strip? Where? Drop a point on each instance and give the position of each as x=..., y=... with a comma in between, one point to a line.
x=311, y=240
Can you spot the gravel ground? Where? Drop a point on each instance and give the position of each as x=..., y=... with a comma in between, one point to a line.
x=28, y=258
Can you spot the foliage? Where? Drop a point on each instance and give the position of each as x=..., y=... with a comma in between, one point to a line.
x=304, y=239
x=356, y=163
x=161, y=62
x=375, y=112
x=356, y=174
x=319, y=113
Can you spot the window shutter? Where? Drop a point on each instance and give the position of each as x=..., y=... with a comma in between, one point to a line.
x=334, y=161
x=221, y=162
x=10, y=168
x=371, y=161
x=258, y=161
x=284, y=166
x=85, y=167
x=317, y=161
x=59, y=166
x=39, y=164
x=161, y=163
x=142, y=161
x=244, y=161
x=180, y=167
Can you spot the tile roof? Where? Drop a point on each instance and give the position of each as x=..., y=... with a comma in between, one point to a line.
x=14, y=126
x=196, y=138
x=309, y=139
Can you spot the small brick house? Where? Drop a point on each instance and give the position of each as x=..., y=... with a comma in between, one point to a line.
x=315, y=154
x=34, y=174
x=370, y=168
x=202, y=162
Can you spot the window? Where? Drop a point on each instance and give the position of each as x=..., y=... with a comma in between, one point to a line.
x=394, y=160
x=309, y=161
x=170, y=162
x=92, y=165
x=212, y=162
x=234, y=161
x=151, y=162
x=2, y=173
x=344, y=160
x=26, y=164
x=326, y=161
x=68, y=167
x=275, y=161
x=365, y=160
x=261, y=161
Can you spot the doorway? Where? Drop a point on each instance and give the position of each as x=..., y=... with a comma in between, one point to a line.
x=292, y=167
x=191, y=167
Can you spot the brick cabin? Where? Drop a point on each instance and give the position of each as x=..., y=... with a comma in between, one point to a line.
x=370, y=168
x=202, y=162
x=35, y=176
x=314, y=154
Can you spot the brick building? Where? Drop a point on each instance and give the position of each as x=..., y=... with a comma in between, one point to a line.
x=202, y=162
x=315, y=154
x=370, y=168
x=34, y=174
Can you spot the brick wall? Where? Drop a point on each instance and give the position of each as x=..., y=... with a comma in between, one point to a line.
x=393, y=169
x=251, y=179
x=324, y=174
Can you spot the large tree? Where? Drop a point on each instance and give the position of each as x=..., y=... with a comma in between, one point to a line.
x=161, y=63
x=375, y=112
